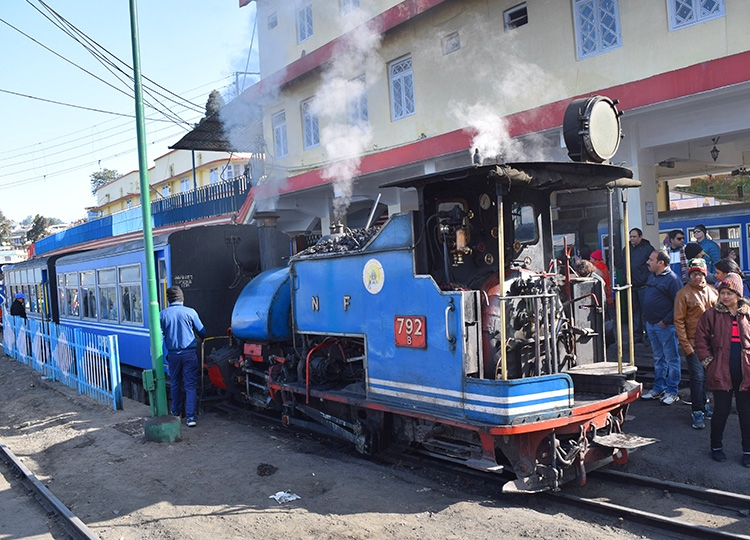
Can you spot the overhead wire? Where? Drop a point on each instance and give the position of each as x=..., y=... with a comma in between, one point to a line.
x=96, y=51
x=128, y=129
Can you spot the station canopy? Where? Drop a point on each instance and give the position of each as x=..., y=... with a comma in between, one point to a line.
x=238, y=127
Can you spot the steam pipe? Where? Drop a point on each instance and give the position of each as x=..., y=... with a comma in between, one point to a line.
x=628, y=282
x=501, y=279
x=618, y=316
x=372, y=213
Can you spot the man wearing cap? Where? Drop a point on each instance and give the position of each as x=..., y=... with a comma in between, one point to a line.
x=597, y=259
x=676, y=251
x=721, y=342
x=18, y=307
x=711, y=250
x=691, y=302
x=180, y=325
x=661, y=291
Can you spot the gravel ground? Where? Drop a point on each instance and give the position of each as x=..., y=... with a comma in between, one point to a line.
x=217, y=481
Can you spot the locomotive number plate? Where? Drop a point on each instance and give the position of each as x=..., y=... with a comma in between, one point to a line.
x=410, y=331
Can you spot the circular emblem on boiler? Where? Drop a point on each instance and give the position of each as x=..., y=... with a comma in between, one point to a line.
x=373, y=276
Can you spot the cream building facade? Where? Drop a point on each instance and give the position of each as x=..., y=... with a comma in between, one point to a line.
x=356, y=93
x=171, y=174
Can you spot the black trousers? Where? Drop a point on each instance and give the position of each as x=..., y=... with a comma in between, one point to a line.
x=722, y=408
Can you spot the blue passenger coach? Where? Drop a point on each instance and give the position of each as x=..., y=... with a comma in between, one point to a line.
x=104, y=290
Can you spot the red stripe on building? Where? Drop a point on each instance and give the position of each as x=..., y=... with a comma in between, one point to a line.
x=683, y=82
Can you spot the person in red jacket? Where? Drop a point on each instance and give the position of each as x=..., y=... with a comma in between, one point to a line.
x=719, y=339
x=597, y=259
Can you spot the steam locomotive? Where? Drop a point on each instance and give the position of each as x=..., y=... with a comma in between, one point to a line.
x=452, y=328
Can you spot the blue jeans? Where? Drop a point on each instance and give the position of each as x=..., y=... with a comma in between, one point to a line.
x=666, y=358
x=183, y=369
x=697, y=382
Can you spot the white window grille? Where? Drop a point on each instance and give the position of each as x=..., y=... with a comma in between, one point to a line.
x=451, y=43
x=310, y=128
x=185, y=185
x=129, y=203
x=517, y=16
x=349, y=6
x=402, y=88
x=273, y=21
x=228, y=172
x=213, y=175
x=359, y=115
x=304, y=22
x=165, y=191
x=279, y=134
x=684, y=13
x=597, y=26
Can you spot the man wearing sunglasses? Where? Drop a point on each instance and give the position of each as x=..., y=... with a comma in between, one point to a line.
x=676, y=251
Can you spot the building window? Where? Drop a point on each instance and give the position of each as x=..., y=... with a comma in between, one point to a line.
x=402, y=88
x=451, y=43
x=304, y=22
x=213, y=175
x=165, y=191
x=185, y=185
x=228, y=172
x=684, y=13
x=129, y=203
x=279, y=134
x=107, y=294
x=349, y=6
x=310, y=128
x=597, y=26
x=357, y=106
x=515, y=17
x=131, y=299
x=273, y=21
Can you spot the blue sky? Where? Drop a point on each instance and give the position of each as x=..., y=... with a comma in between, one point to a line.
x=48, y=151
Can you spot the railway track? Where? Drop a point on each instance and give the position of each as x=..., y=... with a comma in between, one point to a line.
x=678, y=508
x=75, y=528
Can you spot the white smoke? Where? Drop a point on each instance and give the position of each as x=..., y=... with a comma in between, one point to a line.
x=355, y=65
x=514, y=80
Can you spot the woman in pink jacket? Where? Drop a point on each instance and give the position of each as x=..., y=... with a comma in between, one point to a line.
x=722, y=342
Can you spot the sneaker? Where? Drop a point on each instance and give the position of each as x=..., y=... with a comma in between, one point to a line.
x=698, y=420
x=668, y=399
x=175, y=414
x=708, y=413
x=746, y=459
x=719, y=455
x=651, y=394
x=191, y=421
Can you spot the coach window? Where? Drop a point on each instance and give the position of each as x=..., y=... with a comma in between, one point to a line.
x=88, y=295
x=131, y=300
x=107, y=294
x=73, y=306
x=61, y=293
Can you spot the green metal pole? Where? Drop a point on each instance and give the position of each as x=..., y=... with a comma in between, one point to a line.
x=157, y=356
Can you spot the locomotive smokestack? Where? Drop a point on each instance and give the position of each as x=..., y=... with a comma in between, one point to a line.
x=266, y=222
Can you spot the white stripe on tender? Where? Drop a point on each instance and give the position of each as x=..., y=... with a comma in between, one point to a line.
x=504, y=411
x=415, y=388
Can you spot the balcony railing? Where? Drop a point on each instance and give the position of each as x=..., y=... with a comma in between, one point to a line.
x=220, y=199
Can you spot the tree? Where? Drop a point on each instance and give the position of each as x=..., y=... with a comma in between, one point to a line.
x=38, y=229
x=99, y=178
x=5, y=227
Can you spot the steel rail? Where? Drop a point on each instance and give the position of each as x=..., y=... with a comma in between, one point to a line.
x=648, y=518
x=72, y=524
x=716, y=496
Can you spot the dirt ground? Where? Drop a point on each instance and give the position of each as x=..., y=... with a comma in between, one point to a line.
x=98, y=463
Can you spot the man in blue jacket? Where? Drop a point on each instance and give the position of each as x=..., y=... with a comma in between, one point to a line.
x=180, y=326
x=640, y=249
x=661, y=289
x=711, y=250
